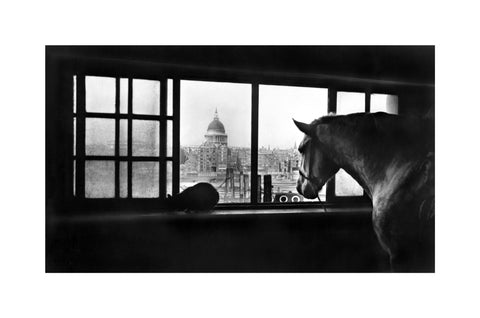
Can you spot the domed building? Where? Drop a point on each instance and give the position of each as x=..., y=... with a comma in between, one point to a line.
x=213, y=153
x=216, y=132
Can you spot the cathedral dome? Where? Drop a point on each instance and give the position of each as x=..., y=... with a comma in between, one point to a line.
x=216, y=126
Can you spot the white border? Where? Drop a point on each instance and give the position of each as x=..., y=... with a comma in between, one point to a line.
x=28, y=26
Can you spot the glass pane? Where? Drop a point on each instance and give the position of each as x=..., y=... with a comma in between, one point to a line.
x=215, y=137
x=170, y=97
x=345, y=185
x=169, y=138
x=348, y=102
x=123, y=176
x=123, y=95
x=169, y=178
x=99, y=136
x=278, y=137
x=146, y=97
x=123, y=137
x=74, y=136
x=145, y=138
x=100, y=94
x=145, y=179
x=74, y=94
x=384, y=103
x=99, y=179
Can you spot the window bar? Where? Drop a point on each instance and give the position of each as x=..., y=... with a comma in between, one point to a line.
x=332, y=108
x=176, y=137
x=129, y=139
x=117, y=138
x=163, y=139
x=254, y=144
x=367, y=110
x=80, y=148
x=367, y=101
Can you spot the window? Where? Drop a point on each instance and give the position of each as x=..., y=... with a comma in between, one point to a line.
x=278, y=138
x=215, y=137
x=119, y=127
x=144, y=138
x=384, y=103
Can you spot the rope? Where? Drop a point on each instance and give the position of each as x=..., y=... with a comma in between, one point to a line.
x=322, y=203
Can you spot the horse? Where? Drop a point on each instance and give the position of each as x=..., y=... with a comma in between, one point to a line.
x=392, y=158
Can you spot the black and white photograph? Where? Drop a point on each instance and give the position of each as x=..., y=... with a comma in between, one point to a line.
x=239, y=159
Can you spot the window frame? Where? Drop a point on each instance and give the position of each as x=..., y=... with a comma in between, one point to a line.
x=150, y=71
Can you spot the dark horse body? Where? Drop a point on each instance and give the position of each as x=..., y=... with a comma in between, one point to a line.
x=392, y=158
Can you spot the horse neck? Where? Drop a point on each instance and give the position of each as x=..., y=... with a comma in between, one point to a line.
x=371, y=163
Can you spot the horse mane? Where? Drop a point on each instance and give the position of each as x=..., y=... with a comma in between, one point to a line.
x=387, y=127
x=354, y=120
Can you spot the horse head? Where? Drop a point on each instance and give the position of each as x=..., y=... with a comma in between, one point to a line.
x=316, y=167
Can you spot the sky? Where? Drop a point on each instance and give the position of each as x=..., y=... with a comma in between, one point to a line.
x=277, y=106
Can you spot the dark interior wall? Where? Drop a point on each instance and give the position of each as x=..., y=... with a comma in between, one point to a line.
x=306, y=242
x=414, y=64
x=418, y=101
x=217, y=243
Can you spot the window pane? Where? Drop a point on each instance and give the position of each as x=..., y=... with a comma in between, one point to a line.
x=169, y=97
x=123, y=95
x=123, y=176
x=99, y=179
x=145, y=180
x=384, y=103
x=169, y=138
x=74, y=136
x=74, y=94
x=278, y=137
x=100, y=94
x=345, y=185
x=169, y=178
x=215, y=137
x=99, y=136
x=146, y=97
x=145, y=138
x=123, y=144
x=348, y=102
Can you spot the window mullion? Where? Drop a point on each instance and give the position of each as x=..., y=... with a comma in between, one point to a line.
x=117, y=138
x=367, y=101
x=176, y=137
x=163, y=140
x=80, y=147
x=254, y=180
x=332, y=108
x=129, y=139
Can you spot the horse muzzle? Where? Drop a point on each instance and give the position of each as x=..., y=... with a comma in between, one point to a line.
x=307, y=189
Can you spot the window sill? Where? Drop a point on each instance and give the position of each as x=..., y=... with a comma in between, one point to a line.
x=125, y=216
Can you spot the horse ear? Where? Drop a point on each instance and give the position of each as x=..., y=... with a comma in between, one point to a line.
x=305, y=128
